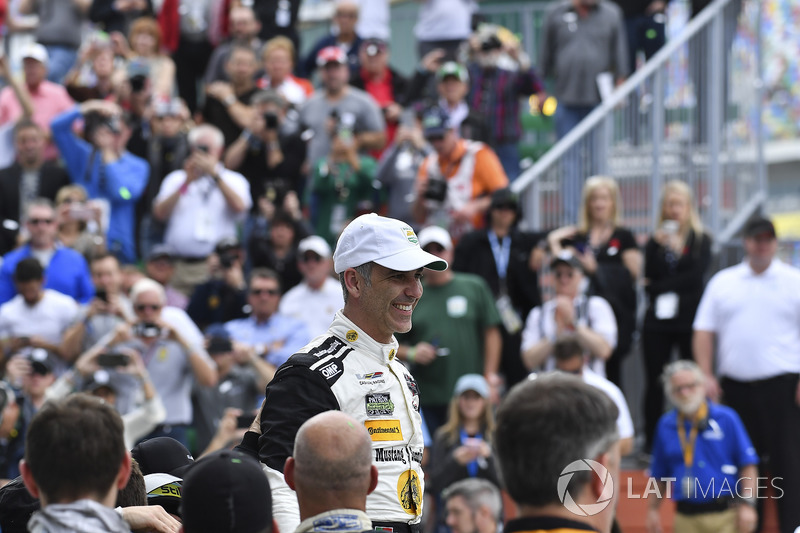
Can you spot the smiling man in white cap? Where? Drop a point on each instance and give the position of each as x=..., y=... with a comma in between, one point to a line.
x=354, y=368
x=316, y=299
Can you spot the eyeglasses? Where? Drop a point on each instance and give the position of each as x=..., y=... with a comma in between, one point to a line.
x=144, y=307
x=434, y=248
x=259, y=292
x=311, y=257
x=688, y=387
x=37, y=221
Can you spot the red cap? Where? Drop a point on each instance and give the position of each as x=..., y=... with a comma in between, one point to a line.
x=331, y=54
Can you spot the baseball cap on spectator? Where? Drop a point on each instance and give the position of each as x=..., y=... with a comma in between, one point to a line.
x=36, y=51
x=168, y=108
x=504, y=198
x=473, y=382
x=162, y=455
x=435, y=234
x=219, y=340
x=758, y=226
x=160, y=251
x=164, y=490
x=101, y=378
x=388, y=242
x=435, y=122
x=16, y=506
x=566, y=258
x=227, y=244
x=374, y=46
x=316, y=244
x=451, y=69
x=331, y=54
x=226, y=492
x=42, y=362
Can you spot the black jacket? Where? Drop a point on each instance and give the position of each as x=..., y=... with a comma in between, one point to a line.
x=51, y=178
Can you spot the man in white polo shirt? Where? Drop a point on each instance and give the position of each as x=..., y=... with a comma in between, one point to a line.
x=752, y=311
x=319, y=296
x=202, y=203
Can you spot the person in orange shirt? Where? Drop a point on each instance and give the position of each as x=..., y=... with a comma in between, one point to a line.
x=456, y=180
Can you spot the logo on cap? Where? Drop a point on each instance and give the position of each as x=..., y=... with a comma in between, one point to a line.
x=410, y=235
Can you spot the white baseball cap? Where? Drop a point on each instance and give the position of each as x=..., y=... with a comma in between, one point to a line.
x=436, y=234
x=389, y=242
x=36, y=51
x=315, y=244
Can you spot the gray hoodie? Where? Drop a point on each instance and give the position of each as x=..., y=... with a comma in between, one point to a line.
x=86, y=516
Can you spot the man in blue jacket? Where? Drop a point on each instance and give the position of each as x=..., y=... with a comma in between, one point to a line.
x=104, y=168
x=65, y=270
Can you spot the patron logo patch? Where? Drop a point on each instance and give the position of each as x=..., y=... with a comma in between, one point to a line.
x=379, y=404
x=382, y=430
x=410, y=235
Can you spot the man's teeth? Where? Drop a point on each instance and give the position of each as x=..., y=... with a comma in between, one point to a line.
x=403, y=307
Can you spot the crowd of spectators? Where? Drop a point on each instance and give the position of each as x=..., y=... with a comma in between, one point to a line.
x=176, y=179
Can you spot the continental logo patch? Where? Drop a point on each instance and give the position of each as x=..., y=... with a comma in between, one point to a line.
x=351, y=336
x=381, y=430
x=409, y=492
x=379, y=404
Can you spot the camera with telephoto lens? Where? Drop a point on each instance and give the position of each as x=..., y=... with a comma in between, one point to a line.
x=270, y=121
x=227, y=258
x=436, y=190
x=146, y=330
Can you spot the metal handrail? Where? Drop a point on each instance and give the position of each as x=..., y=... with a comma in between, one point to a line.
x=695, y=25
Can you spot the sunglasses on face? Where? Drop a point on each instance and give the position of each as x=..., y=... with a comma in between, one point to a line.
x=259, y=292
x=144, y=307
x=311, y=257
x=37, y=221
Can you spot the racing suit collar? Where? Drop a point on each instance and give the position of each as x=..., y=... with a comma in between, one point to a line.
x=336, y=520
x=344, y=328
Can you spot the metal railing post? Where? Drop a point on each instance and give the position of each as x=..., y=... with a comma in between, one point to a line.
x=714, y=118
x=657, y=115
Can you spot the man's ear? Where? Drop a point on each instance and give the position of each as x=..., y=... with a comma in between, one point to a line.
x=288, y=472
x=373, y=478
x=27, y=479
x=124, y=471
x=352, y=282
x=603, y=489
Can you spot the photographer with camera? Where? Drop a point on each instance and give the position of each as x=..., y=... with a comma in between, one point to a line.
x=102, y=373
x=455, y=182
x=267, y=153
x=224, y=296
x=201, y=204
x=341, y=185
x=103, y=166
x=172, y=361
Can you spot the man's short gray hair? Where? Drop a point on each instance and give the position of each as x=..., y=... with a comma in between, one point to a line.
x=207, y=129
x=364, y=270
x=477, y=492
x=679, y=366
x=148, y=285
x=545, y=424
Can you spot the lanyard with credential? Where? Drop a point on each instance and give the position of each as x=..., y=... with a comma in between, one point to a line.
x=501, y=253
x=688, y=441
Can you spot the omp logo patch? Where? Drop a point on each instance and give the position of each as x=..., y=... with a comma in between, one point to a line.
x=382, y=430
x=351, y=335
x=379, y=404
x=330, y=370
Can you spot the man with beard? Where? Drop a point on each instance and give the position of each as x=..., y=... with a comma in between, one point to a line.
x=702, y=445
